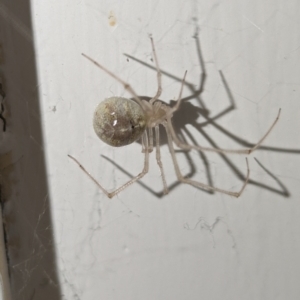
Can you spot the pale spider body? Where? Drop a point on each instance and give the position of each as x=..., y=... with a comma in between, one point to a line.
x=120, y=121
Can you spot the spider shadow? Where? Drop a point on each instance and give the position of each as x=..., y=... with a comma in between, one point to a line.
x=188, y=114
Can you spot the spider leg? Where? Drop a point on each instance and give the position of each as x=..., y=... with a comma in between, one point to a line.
x=124, y=186
x=196, y=183
x=179, y=100
x=126, y=85
x=189, y=147
x=158, y=159
x=159, y=88
x=150, y=146
x=237, y=151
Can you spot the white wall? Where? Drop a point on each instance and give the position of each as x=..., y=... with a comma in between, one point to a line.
x=189, y=244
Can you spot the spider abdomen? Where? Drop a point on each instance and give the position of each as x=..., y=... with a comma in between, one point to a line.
x=119, y=121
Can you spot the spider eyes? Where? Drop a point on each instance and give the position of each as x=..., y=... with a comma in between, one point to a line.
x=119, y=121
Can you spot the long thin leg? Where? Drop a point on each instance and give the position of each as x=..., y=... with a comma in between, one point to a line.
x=179, y=100
x=159, y=162
x=150, y=146
x=124, y=186
x=126, y=85
x=237, y=151
x=189, y=147
x=196, y=183
x=159, y=88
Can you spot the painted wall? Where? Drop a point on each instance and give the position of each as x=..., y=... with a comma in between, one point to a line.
x=68, y=240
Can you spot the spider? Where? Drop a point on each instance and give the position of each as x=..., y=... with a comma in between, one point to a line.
x=120, y=121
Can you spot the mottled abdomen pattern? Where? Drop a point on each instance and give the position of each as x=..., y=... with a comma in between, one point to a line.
x=119, y=121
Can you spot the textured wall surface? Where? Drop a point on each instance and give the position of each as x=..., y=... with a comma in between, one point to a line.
x=68, y=240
